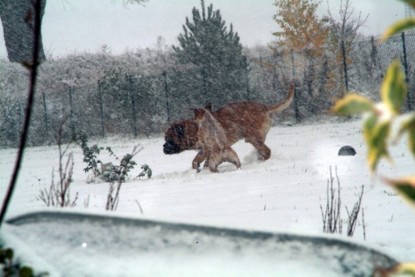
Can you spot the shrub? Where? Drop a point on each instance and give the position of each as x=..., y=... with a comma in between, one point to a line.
x=126, y=164
x=108, y=172
x=12, y=268
x=331, y=214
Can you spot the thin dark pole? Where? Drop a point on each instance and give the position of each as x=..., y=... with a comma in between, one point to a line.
x=45, y=114
x=132, y=94
x=101, y=107
x=405, y=66
x=346, y=77
x=166, y=91
x=30, y=100
x=72, y=114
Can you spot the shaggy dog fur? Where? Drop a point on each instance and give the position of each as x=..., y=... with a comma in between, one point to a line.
x=213, y=141
x=249, y=120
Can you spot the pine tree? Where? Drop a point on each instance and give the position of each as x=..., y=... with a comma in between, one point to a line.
x=211, y=59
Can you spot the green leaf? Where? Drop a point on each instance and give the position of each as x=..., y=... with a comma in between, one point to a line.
x=376, y=135
x=409, y=126
x=393, y=90
x=353, y=104
x=368, y=126
x=398, y=27
x=26, y=271
x=405, y=186
x=411, y=141
x=9, y=253
x=2, y=256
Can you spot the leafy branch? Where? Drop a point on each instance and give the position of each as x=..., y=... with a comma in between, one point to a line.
x=379, y=120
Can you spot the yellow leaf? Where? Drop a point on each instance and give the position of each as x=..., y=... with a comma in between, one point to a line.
x=376, y=135
x=406, y=268
x=400, y=269
x=353, y=104
x=398, y=27
x=393, y=90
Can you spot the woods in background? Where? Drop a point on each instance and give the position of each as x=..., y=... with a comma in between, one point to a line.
x=140, y=92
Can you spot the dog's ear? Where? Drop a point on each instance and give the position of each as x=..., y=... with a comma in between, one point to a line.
x=208, y=106
x=179, y=130
x=199, y=113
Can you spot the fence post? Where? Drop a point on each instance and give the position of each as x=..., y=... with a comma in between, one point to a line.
x=296, y=95
x=247, y=69
x=323, y=75
x=374, y=57
x=167, y=96
x=45, y=114
x=406, y=67
x=20, y=116
x=132, y=98
x=292, y=64
x=72, y=123
x=101, y=107
x=346, y=77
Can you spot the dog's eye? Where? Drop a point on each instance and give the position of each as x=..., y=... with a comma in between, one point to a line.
x=179, y=131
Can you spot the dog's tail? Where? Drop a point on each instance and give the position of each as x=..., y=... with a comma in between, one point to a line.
x=286, y=103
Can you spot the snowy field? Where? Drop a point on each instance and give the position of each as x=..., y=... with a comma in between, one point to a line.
x=282, y=194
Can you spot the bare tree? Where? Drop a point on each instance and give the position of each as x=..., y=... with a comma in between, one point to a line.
x=344, y=33
x=346, y=29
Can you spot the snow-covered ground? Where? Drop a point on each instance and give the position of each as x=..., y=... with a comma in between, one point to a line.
x=283, y=194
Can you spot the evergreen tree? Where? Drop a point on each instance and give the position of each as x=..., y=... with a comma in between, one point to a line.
x=210, y=56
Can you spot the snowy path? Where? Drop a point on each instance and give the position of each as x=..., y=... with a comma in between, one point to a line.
x=283, y=194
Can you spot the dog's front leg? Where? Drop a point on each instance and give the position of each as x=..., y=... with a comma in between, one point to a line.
x=200, y=157
x=207, y=159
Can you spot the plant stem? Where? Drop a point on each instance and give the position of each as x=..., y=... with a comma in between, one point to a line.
x=30, y=99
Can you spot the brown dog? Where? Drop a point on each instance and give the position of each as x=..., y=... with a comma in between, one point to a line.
x=249, y=120
x=212, y=140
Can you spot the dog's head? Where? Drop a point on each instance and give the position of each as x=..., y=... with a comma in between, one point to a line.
x=181, y=136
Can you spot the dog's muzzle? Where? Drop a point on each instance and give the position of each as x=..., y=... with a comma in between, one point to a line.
x=170, y=148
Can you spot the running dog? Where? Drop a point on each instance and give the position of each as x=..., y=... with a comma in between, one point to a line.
x=250, y=120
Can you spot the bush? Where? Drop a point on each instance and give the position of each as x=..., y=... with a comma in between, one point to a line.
x=12, y=268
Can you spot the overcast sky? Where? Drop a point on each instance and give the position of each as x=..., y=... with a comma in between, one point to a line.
x=71, y=26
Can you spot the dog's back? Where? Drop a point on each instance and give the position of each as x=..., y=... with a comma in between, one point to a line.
x=243, y=120
x=250, y=120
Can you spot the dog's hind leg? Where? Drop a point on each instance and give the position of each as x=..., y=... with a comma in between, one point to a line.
x=215, y=159
x=264, y=153
x=229, y=155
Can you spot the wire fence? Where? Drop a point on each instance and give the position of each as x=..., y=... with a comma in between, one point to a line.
x=141, y=105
